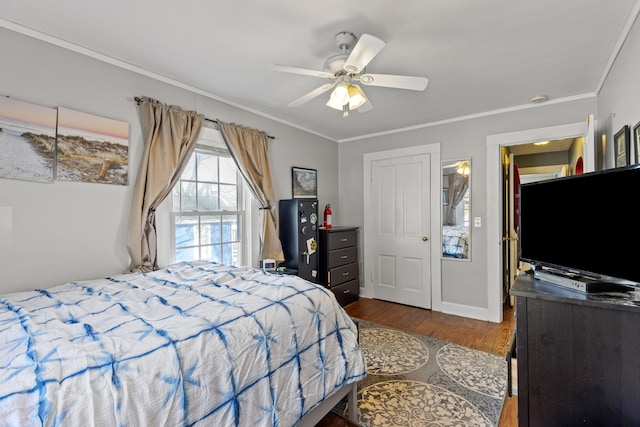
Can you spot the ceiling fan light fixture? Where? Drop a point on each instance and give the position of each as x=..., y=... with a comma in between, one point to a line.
x=339, y=96
x=346, y=97
x=350, y=66
x=463, y=168
x=357, y=97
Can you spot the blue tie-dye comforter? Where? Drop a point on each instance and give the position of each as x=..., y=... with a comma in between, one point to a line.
x=192, y=344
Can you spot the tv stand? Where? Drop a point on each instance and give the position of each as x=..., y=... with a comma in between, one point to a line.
x=578, y=356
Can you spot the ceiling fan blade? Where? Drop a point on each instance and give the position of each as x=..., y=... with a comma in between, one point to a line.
x=309, y=96
x=303, y=71
x=363, y=52
x=400, y=82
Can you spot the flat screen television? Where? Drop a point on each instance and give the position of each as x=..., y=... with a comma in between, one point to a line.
x=583, y=224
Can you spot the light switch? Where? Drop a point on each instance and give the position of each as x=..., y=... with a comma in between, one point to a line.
x=477, y=221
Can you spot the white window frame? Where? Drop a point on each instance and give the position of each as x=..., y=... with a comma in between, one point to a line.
x=211, y=142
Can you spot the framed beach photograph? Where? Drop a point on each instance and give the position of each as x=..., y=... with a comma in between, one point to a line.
x=91, y=148
x=27, y=141
x=621, y=145
x=304, y=183
x=636, y=141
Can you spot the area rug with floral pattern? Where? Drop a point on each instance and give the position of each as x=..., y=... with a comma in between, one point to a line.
x=414, y=380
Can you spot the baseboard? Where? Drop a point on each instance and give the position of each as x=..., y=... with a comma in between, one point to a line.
x=449, y=308
x=365, y=292
x=465, y=310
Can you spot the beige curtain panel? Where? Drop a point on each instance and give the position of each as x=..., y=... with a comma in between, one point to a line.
x=170, y=135
x=249, y=149
x=458, y=185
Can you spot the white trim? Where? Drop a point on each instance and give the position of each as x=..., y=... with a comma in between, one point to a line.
x=436, y=211
x=465, y=311
x=633, y=15
x=494, y=198
x=474, y=116
x=138, y=70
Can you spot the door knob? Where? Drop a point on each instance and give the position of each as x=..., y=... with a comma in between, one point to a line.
x=425, y=238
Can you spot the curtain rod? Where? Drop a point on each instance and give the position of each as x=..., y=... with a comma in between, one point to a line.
x=139, y=100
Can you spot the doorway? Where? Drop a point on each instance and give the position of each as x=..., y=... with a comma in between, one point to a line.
x=401, y=235
x=526, y=163
x=495, y=195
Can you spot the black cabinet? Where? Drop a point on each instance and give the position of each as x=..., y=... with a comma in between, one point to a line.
x=578, y=356
x=298, y=224
x=338, y=268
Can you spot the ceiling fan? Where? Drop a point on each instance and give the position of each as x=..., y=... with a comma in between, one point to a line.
x=347, y=67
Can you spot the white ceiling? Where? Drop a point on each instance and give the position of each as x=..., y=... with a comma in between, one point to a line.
x=479, y=56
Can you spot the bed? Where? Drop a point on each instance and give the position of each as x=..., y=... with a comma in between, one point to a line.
x=195, y=343
x=455, y=241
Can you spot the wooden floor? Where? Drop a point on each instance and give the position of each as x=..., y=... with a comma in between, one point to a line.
x=480, y=335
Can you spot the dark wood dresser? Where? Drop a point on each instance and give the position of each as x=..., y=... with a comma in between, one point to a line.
x=338, y=262
x=578, y=355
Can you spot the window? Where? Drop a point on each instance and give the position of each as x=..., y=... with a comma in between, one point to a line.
x=208, y=209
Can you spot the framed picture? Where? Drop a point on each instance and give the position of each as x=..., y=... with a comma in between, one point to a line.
x=27, y=141
x=304, y=183
x=636, y=141
x=621, y=145
x=91, y=148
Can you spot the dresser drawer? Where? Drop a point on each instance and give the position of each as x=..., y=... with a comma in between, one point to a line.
x=347, y=292
x=341, y=239
x=340, y=257
x=342, y=274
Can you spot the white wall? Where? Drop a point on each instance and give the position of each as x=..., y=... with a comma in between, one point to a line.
x=619, y=98
x=53, y=233
x=464, y=284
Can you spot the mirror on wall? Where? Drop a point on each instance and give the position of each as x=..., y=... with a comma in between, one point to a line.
x=456, y=209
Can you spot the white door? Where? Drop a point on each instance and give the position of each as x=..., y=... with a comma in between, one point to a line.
x=511, y=206
x=401, y=220
x=590, y=146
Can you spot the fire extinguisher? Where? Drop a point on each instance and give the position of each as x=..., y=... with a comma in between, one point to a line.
x=327, y=216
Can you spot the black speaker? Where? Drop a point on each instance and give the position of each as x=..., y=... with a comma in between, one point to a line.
x=298, y=223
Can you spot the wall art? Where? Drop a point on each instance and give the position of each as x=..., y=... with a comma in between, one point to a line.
x=621, y=147
x=636, y=141
x=304, y=183
x=91, y=148
x=27, y=141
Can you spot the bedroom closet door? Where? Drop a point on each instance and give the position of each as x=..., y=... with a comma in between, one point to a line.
x=401, y=229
